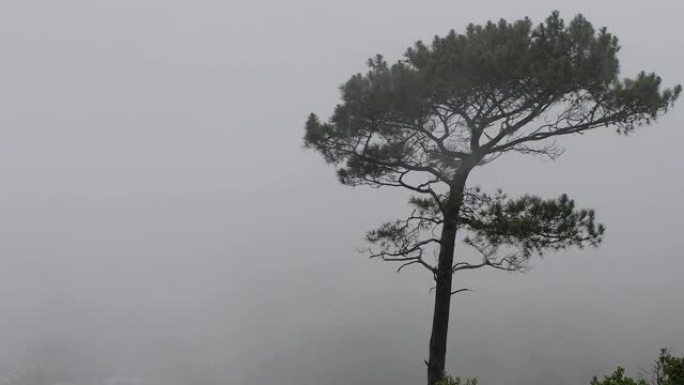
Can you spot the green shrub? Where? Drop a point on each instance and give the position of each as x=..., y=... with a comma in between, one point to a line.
x=449, y=380
x=618, y=378
x=668, y=370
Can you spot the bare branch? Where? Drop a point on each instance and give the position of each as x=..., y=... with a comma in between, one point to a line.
x=459, y=291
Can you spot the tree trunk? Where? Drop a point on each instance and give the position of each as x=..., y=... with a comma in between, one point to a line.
x=440, y=320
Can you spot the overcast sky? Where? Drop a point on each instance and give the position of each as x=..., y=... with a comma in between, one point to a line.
x=161, y=223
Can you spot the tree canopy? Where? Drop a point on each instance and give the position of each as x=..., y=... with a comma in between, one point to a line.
x=477, y=94
x=468, y=98
x=428, y=120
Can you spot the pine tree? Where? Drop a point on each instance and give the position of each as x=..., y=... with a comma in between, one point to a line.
x=427, y=121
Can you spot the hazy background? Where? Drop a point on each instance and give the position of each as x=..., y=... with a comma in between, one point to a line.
x=162, y=224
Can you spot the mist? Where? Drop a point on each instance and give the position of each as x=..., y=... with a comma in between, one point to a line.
x=163, y=224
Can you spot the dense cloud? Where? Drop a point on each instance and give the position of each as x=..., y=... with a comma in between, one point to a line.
x=162, y=224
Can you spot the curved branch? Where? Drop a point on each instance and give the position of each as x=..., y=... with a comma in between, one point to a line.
x=459, y=291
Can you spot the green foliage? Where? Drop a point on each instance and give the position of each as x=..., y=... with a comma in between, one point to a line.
x=668, y=370
x=449, y=380
x=529, y=223
x=618, y=378
x=429, y=110
x=424, y=122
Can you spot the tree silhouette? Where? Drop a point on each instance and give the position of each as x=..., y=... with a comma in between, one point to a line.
x=427, y=121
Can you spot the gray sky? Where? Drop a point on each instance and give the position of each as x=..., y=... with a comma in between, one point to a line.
x=161, y=222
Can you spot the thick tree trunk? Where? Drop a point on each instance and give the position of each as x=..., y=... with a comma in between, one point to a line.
x=440, y=320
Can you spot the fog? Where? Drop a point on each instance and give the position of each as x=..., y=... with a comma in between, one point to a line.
x=163, y=224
